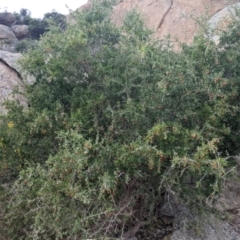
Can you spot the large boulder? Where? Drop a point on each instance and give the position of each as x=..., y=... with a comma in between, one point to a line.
x=8, y=39
x=10, y=77
x=6, y=32
x=168, y=17
x=20, y=31
x=7, y=18
x=11, y=59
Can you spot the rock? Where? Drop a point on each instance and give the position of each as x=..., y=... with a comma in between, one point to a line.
x=7, y=18
x=8, y=39
x=186, y=226
x=210, y=229
x=229, y=200
x=11, y=59
x=153, y=11
x=173, y=208
x=6, y=32
x=169, y=17
x=20, y=31
x=130, y=238
x=10, y=78
x=166, y=17
x=85, y=7
x=229, y=203
x=221, y=19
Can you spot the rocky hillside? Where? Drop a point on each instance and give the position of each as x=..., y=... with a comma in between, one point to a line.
x=10, y=32
x=15, y=27
x=171, y=17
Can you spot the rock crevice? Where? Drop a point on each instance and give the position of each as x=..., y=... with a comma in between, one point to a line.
x=13, y=69
x=165, y=14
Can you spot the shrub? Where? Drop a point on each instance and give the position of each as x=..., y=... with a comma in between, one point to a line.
x=115, y=120
x=24, y=45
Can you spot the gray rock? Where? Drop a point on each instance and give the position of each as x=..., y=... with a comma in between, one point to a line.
x=7, y=18
x=210, y=229
x=11, y=59
x=6, y=32
x=10, y=78
x=21, y=31
x=223, y=15
x=8, y=39
x=189, y=227
x=229, y=200
x=221, y=19
x=173, y=208
x=130, y=238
